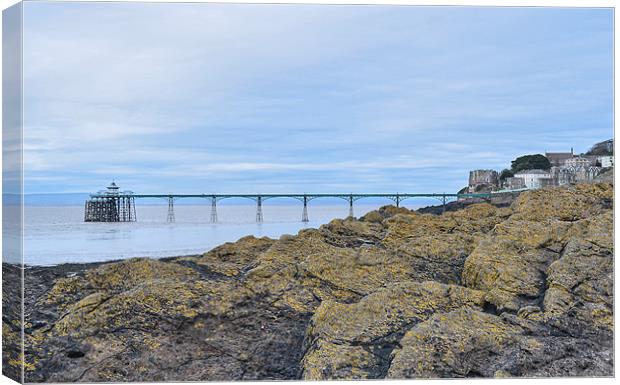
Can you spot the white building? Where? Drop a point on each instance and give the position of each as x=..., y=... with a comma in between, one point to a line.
x=535, y=178
x=578, y=161
x=606, y=161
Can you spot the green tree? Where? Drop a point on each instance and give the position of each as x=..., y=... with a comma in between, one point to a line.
x=529, y=162
x=506, y=173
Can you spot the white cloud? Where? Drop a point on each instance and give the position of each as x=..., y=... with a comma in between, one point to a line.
x=182, y=92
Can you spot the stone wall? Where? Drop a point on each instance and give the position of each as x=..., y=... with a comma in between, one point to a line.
x=514, y=183
x=483, y=179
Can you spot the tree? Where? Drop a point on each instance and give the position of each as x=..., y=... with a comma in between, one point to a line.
x=506, y=173
x=530, y=162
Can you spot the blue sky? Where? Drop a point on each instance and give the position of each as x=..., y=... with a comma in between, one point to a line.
x=232, y=98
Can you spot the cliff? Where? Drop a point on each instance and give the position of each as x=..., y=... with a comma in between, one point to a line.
x=602, y=148
x=524, y=290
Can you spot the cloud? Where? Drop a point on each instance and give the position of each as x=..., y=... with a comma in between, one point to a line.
x=288, y=97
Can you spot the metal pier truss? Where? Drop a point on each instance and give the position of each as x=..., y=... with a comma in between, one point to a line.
x=115, y=206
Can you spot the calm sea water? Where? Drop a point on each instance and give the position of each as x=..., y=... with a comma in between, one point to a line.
x=54, y=235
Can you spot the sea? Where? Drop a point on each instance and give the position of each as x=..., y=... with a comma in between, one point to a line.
x=58, y=234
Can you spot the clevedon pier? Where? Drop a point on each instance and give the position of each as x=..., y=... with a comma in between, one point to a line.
x=114, y=205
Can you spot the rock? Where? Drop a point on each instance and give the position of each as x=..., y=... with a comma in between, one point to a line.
x=351, y=233
x=469, y=343
x=567, y=204
x=436, y=246
x=530, y=313
x=301, y=272
x=463, y=343
x=579, y=298
x=373, y=217
x=232, y=259
x=389, y=310
x=12, y=357
x=370, y=328
x=511, y=263
x=511, y=276
x=517, y=291
x=171, y=326
x=384, y=212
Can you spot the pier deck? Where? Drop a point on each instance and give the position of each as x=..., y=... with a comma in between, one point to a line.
x=98, y=208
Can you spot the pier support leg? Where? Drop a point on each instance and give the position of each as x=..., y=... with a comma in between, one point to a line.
x=397, y=200
x=443, y=206
x=351, y=206
x=304, y=214
x=259, y=210
x=132, y=210
x=170, y=218
x=213, y=210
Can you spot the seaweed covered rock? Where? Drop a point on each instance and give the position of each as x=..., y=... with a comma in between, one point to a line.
x=513, y=276
x=369, y=329
x=564, y=204
x=436, y=246
x=481, y=291
x=12, y=357
x=464, y=343
x=233, y=258
x=470, y=343
x=579, y=298
x=144, y=319
x=511, y=264
x=303, y=271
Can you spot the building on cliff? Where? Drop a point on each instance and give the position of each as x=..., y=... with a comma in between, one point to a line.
x=483, y=180
x=601, y=156
x=513, y=183
x=557, y=159
x=535, y=178
x=577, y=172
x=566, y=169
x=606, y=161
x=580, y=161
x=563, y=176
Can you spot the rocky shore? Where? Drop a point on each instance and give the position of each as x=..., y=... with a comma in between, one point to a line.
x=481, y=291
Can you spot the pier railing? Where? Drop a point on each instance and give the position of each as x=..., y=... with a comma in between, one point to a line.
x=120, y=207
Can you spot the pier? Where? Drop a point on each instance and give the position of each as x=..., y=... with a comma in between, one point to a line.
x=114, y=205
x=110, y=206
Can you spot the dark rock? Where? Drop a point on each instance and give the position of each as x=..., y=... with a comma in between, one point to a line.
x=477, y=291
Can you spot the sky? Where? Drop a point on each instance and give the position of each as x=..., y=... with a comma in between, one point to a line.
x=237, y=98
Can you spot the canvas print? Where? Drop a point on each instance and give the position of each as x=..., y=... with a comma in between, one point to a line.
x=232, y=192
